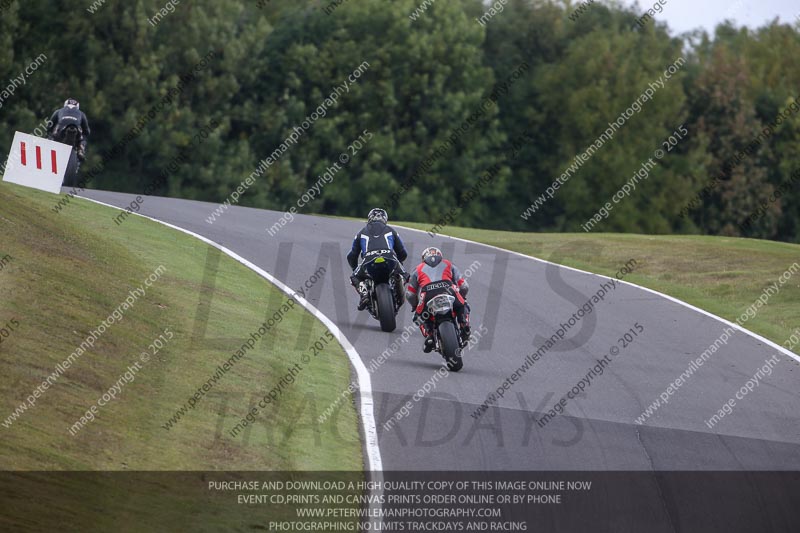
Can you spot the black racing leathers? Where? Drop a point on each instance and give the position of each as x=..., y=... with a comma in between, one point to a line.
x=375, y=236
x=65, y=117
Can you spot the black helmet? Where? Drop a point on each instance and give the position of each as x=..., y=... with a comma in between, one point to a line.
x=378, y=214
x=72, y=103
x=432, y=256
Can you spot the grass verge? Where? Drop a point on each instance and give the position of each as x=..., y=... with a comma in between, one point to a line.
x=65, y=274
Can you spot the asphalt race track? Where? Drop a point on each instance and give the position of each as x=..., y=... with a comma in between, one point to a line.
x=518, y=303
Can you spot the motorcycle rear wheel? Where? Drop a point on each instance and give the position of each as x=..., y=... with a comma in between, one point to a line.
x=385, y=307
x=450, y=347
x=71, y=174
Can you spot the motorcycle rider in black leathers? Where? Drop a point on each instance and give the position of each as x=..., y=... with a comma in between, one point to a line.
x=70, y=115
x=375, y=236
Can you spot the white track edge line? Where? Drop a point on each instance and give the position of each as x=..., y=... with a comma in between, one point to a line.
x=365, y=383
x=766, y=341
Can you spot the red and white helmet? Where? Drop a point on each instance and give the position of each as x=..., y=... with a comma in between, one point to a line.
x=432, y=256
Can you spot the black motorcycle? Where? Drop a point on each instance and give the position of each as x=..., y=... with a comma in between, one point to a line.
x=447, y=335
x=384, y=281
x=72, y=137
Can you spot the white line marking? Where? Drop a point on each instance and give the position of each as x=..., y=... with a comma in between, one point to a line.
x=766, y=341
x=365, y=383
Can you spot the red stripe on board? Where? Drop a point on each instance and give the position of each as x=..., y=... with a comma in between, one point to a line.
x=53, y=161
x=39, y=157
x=22, y=156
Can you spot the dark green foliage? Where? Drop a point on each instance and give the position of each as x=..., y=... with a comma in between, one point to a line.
x=436, y=95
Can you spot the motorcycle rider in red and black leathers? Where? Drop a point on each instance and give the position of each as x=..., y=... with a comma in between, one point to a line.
x=434, y=276
x=375, y=236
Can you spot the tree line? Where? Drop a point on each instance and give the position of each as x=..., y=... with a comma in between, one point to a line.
x=449, y=93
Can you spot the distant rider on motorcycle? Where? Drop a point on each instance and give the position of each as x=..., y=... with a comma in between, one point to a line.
x=70, y=115
x=434, y=268
x=375, y=236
